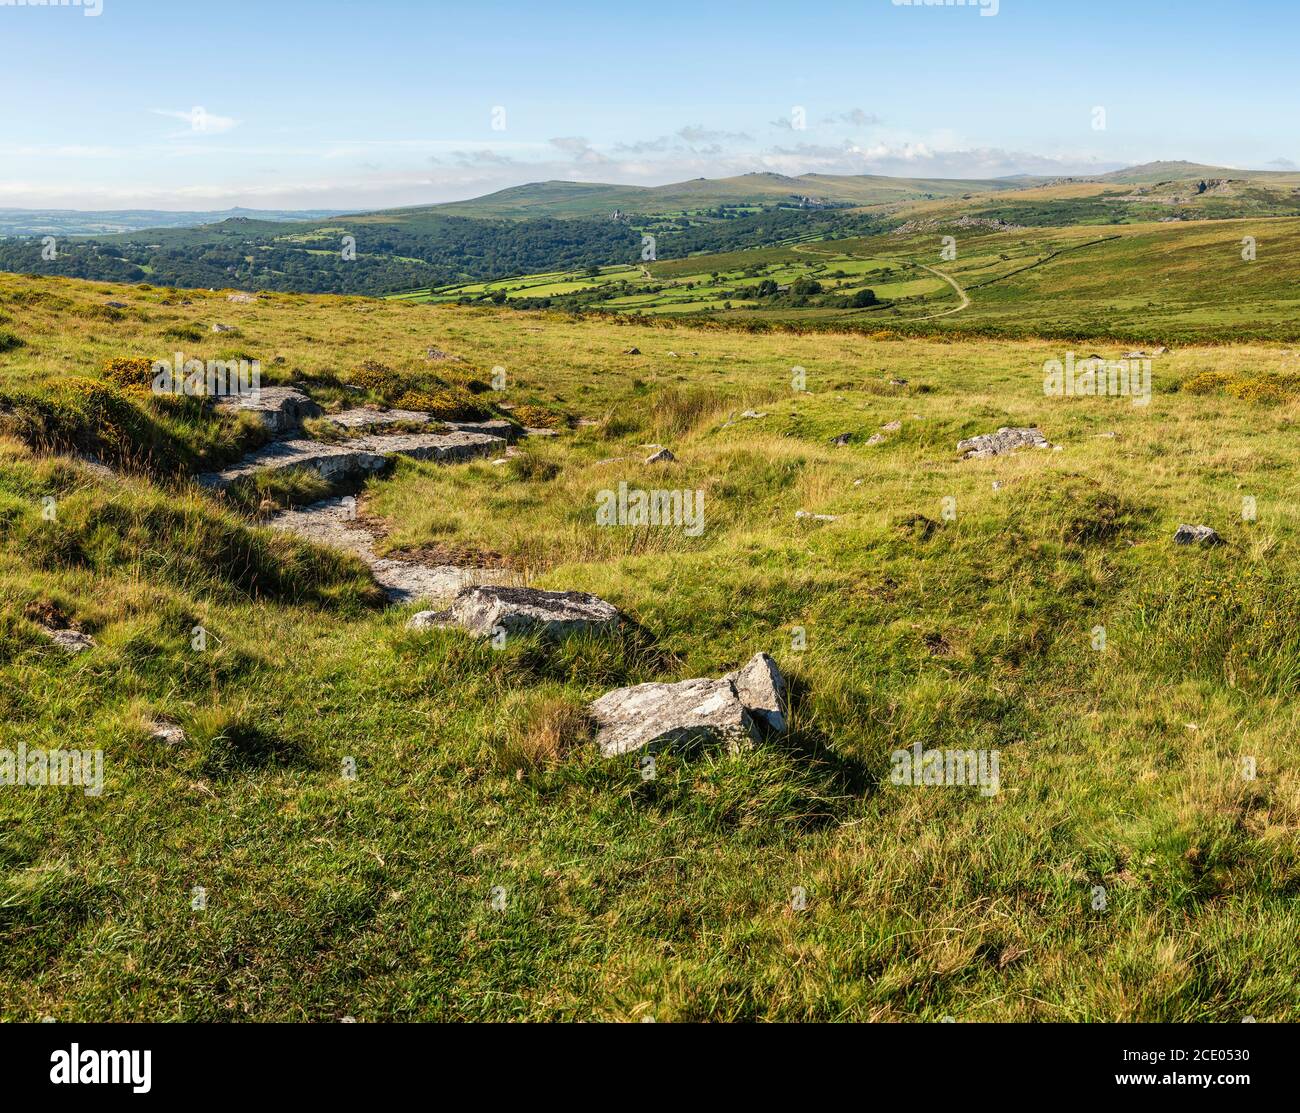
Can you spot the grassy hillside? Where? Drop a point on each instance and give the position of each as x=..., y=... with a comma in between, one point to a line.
x=968, y=624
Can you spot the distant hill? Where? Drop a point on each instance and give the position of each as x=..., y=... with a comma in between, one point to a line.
x=1178, y=171
x=76, y=222
x=572, y=199
x=575, y=226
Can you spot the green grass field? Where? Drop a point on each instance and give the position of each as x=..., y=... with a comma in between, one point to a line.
x=1129, y=869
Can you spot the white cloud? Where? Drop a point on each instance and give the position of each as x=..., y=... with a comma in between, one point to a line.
x=697, y=134
x=858, y=118
x=579, y=149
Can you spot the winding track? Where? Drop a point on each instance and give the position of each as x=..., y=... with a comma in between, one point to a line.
x=806, y=249
x=965, y=297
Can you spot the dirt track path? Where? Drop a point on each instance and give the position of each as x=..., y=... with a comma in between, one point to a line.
x=965, y=297
x=806, y=249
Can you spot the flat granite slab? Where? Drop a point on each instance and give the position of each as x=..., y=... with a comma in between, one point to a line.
x=356, y=457
x=366, y=418
x=331, y=523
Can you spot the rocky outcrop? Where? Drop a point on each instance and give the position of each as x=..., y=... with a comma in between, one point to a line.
x=358, y=457
x=1004, y=440
x=735, y=711
x=280, y=408
x=367, y=418
x=360, y=420
x=333, y=523
x=522, y=610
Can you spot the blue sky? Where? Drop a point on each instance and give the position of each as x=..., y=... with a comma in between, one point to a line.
x=326, y=104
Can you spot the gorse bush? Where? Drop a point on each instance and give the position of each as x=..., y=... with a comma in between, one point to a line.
x=377, y=378
x=124, y=371
x=1269, y=387
x=539, y=417
x=445, y=404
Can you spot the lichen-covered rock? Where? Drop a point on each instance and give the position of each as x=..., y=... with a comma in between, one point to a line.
x=1197, y=535
x=170, y=733
x=71, y=641
x=1003, y=441
x=482, y=610
x=761, y=688
x=734, y=711
x=279, y=408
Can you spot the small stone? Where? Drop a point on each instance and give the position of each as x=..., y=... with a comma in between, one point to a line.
x=631, y=351
x=663, y=456
x=116, y=305
x=804, y=516
x=166, y=732
x=892, y=427
x=223, y=328
x=1197, y=535
x=751, y=415
x=875, y=439
x=72, y=641
x=241, y=299
x=842, y=439
x=898, y=382
x=484, y=610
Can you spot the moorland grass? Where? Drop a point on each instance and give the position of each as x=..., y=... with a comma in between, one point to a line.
x=329, y=896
